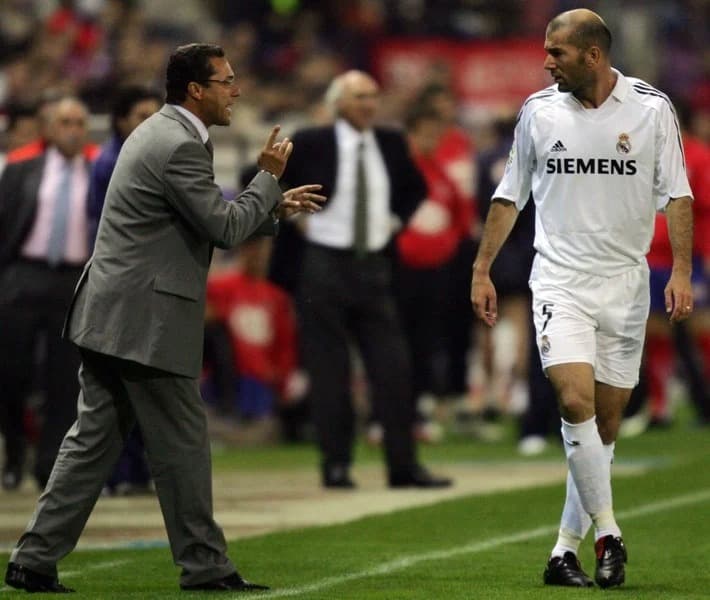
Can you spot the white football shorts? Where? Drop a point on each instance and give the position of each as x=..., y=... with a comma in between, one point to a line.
x=592, y=319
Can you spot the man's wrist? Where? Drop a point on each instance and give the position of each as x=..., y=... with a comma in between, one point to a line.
x=480, y=268
x=684, y=270
x=269, y=172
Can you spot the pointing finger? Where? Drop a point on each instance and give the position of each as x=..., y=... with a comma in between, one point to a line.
x=270, y=143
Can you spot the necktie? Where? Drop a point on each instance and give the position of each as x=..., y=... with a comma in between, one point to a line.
x=360, y=220
x=210, y=147
x=58, y=231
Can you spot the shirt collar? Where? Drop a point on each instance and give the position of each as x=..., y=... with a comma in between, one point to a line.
x=621, y=89
x=348, y=134
x=58, y=158
x=619, y=92
x=194, y=119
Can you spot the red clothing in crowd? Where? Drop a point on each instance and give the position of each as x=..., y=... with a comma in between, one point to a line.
x=697, y=163
x=455, y=153
x=262, y=325
x=35, y=148
x=441, y=221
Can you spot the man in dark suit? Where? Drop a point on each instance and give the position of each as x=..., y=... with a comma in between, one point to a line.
x=346, y=298
x=138, y=317
x=43, y=247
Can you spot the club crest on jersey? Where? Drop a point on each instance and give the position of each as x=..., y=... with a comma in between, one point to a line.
x=545, y=345
x=623, y=146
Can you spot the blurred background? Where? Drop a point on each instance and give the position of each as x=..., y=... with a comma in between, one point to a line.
x=286, y=51
x=473, y=61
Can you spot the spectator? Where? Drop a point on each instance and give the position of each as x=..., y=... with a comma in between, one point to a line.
x=43, y=246
x=32, y=148
x=455, y=155
x=132, y=106
x=22, y=127
x=662, y=351
x=345, y=285
x=260, y=319
x=427, y=247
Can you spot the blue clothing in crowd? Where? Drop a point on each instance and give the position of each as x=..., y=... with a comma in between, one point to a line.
x=98, y=182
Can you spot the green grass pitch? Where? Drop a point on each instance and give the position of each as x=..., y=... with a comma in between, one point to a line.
x=486, y=546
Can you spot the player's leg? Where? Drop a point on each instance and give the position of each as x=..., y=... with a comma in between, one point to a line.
x=609, y=546
x=587, y=497
x=566, y=342
x=624, y=310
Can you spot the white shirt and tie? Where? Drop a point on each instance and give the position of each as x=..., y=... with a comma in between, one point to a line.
x=59, y=234
x=334, y=226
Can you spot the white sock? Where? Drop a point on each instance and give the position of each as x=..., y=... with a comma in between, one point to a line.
x=604, y=529
x=590, y=467
x=575, y=522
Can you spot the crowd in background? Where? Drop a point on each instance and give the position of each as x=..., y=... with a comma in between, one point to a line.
x=285, y=53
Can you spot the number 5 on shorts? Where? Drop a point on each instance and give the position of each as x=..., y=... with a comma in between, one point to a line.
x=547, y=313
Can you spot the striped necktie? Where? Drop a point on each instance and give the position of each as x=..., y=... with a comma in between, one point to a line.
x=58, y=232
x=360, y=212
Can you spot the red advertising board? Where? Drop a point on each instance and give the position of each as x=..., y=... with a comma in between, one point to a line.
x=483, y=75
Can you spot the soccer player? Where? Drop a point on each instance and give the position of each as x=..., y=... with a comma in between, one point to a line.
x=601, y=153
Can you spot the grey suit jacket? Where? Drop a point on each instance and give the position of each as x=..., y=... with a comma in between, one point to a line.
x=141, y=296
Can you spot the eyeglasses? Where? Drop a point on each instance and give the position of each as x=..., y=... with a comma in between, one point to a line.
x=229, y=82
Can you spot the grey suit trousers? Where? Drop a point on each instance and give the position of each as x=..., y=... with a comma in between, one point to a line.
x=114, y=394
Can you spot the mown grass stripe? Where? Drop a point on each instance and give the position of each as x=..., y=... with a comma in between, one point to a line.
x=406, y=562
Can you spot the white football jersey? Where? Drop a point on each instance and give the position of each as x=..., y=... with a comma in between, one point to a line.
x=597, y=176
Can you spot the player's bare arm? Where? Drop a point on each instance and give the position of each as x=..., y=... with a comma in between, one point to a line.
x=678, y=292
x=500, y=221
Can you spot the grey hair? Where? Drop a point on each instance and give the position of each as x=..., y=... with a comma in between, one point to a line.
x=334, y=93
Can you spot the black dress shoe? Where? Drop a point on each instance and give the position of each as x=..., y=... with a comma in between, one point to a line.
x=23, y=578
x=233, y=582
x=337, y=476
x=419, y=477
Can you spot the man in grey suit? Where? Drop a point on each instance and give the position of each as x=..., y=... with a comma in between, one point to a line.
x=137, y=317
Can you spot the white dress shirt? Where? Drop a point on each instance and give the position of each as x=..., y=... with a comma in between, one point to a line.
x=76, y=250
x=195, y=120
x=333, y=226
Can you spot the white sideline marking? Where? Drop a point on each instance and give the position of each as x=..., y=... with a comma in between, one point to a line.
x=475, y=547
x=107, y=564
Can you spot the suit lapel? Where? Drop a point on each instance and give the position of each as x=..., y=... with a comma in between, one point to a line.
x=171, y=112
x=326, y=171
x=27, y=208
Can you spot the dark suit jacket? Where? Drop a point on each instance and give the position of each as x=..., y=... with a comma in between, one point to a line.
x=19, y=186
x=142, y=294
x=315, y=159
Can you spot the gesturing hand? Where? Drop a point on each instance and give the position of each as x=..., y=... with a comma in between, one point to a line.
x=679, y=297
x=301, y=199
x=274, y=155
x=484, y=299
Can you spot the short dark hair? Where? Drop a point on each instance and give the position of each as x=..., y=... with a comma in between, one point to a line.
x=418, y=114
x=189, y=63
x=17, y=110
x=585, y=34
x=431, y=91
x=592, y=33
x=127, y=97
